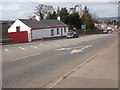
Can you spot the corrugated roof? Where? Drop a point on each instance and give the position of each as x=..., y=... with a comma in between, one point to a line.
x=42, y=23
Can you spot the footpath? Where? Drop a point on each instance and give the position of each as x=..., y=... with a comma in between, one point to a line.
x=100, y=72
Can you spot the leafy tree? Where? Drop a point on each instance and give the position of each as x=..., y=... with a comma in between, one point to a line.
x=74, y=21
x=52, y=16
x=63, y=13
x=87, y=19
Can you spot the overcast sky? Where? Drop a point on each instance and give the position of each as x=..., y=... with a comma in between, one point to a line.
x=12, y=9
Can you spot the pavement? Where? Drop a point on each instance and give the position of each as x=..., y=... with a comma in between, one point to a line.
x=100, y=71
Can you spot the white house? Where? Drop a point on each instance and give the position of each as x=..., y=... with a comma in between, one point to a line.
x=26, y=30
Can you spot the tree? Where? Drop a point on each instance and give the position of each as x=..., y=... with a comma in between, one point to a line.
x=43, y=10
x=87, y=19
x=63, y=13
x=74, y=21
x=52, y=16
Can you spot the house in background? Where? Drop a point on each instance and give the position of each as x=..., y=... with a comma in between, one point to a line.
x=27, y=30
x=4, y=25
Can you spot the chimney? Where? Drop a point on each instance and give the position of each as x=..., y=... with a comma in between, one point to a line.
x=37, y=17
x=58, y=18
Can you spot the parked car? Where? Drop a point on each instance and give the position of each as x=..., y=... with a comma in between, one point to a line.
x=105, y=31
x=72, y=34
x=116, y=30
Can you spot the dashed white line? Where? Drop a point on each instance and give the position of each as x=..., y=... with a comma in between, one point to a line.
x=41, y=44
x=61, y=49
x=7, y=50
x=57, y=45
x=25, y=57
x=33, y=46
x=22, y=48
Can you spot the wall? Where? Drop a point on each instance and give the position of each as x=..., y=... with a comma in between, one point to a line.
x=23, y=27
x=44, y=33
x=3, y=30
x=18, y=37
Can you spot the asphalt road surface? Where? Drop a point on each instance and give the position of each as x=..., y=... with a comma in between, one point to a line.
x=40, y=64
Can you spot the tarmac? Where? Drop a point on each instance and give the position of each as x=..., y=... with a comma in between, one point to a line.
x=100, y=72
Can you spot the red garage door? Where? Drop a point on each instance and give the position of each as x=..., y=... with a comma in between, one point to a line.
x=18, y=37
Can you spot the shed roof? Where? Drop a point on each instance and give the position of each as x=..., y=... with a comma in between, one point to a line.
x=42, y=23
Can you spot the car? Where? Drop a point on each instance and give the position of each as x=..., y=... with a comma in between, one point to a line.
x=72, y=34
x=116, y=30
x=105, y=31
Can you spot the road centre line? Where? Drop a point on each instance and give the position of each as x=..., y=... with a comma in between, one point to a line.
x=60, y=49
x=22, y=48
x=7, y=50
x=25, y=57
x=33, y=46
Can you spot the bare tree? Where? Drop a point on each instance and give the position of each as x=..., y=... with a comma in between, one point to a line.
x=43, y=10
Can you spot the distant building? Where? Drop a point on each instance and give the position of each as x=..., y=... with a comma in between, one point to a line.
x=26, y=30
x=4, y=25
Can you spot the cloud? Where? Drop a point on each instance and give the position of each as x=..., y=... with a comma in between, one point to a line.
x=59, y=0
x=15, y=10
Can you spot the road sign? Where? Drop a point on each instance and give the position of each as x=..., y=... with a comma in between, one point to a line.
x=83, y=26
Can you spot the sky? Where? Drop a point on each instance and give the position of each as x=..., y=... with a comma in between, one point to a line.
x=21, y=9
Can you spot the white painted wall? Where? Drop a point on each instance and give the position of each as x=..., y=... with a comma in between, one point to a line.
x=41, y=33
x=23, y=27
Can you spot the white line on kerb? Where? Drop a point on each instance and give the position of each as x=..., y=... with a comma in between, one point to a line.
x=25, y=57
x=22, y=48
x=6, y=50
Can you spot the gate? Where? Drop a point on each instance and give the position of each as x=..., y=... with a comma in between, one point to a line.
x=18, y=37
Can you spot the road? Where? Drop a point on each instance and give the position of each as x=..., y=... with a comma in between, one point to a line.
x=40, y=64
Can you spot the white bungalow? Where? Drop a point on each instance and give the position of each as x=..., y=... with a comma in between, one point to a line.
x=26, y=30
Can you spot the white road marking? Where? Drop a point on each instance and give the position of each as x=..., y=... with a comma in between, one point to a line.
x=41, y=44
x=7, y=50
x=80, y=50
x=76, y=51
x=86, y=47
x=57, y=45
x=62, y=49
x=25, y=57
x=33, y=46
x=22, y=48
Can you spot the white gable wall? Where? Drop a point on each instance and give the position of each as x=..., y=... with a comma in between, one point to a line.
x=23, y=27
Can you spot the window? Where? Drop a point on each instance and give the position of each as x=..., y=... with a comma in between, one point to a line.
x=17, y=28
x=58, y=31
x=64, y=29
x=52, y=32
